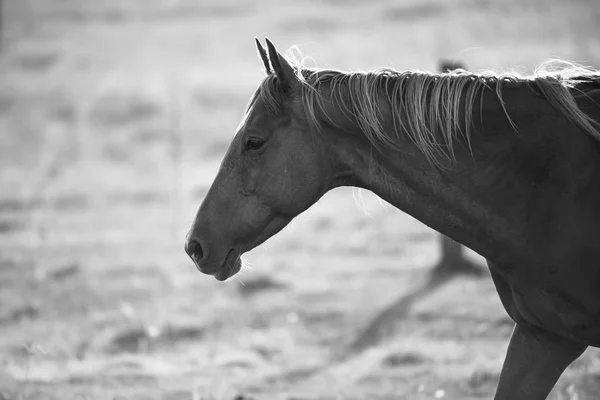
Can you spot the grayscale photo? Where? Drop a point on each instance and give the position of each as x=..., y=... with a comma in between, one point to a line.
x=299, y=200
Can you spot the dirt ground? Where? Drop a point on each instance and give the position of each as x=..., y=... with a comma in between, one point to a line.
x=114, y=116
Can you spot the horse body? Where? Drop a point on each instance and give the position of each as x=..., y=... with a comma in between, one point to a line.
x=526, y=201
x=509, y=167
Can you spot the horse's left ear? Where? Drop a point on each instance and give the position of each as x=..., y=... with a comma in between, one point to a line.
x=283, y=69
x=263, y=56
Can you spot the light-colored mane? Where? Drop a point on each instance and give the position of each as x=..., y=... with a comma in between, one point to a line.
x=431, y=109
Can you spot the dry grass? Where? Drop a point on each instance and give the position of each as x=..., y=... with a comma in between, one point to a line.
x=114, y=116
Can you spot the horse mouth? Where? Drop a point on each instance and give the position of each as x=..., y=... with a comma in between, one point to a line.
x=232, y=264
x=230, y=267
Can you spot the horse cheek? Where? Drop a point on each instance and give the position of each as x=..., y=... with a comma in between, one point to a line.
x=303, y=187
x=250, y=178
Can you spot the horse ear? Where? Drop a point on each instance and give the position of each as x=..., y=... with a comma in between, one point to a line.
x=263, y=56
x=283, y=69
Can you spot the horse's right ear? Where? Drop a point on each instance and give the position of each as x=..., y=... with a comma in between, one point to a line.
x=263, y=56
x=284, y=71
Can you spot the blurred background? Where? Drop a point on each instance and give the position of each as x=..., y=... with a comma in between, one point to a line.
x=114, y=116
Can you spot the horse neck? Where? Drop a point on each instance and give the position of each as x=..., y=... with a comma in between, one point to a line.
x=460, y=201
x=409, y=182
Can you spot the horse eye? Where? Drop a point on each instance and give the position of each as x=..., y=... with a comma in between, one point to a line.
x=254, y=144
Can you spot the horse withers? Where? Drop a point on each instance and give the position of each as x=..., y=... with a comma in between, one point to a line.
x=507, y=165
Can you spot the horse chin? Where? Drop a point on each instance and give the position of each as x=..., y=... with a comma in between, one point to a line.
x=231, y=266
x=233, y=263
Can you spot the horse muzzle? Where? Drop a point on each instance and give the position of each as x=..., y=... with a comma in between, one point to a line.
x=230, y=266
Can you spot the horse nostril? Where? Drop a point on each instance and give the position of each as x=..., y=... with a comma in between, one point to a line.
x=194, y=250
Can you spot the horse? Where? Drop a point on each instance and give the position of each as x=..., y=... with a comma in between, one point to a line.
x=506, y=164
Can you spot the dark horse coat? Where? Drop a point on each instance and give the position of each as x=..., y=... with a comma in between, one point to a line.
x=507, y=165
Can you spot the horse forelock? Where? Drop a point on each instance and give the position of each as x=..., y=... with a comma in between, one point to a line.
x=270, y=93
x=433, y=110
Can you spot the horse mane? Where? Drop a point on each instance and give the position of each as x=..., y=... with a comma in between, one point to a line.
x=425, y=106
